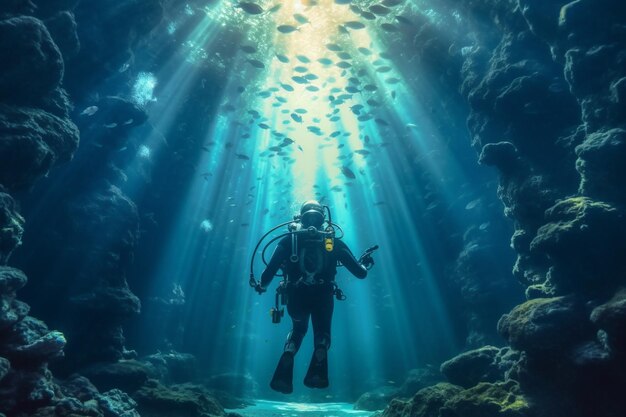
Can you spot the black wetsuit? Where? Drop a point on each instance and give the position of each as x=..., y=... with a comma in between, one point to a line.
x=314, y=300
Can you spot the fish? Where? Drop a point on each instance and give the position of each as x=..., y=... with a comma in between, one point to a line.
x=391, y=3
x=368, y=15
x=249, y=49
x=312, y=88
x=325, y=61
x=370, y=87
x=362, y=152
x=353, y=24
x=379, y=10
x=392, y=80
x=300, y=69
x=300, y=80
x=256, y=63
x=364, y=51
x=311, y=77
x=287, y=87
x=274, y=8
x=383, y=69
x=263, y=126
x=301, y=111
x=286, y=29
x=89, y=111
x=242, y=156
x=351, y=89
x=381, y=122
x=303, y=59
x=333, y=47
x=301, y=18
x=282, y=58
x=348, y=172
x=472, y=204
x=389, y=27
x=356, y=108
x=110, y=125
x=296, y=117
x=250, y=8
x=343, y=64
x=315, y=130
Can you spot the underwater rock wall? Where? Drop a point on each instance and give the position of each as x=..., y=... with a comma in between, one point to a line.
x=85, y=241
x=82, y=228
x=544, y=85
x=544, y=81
x=38, y=41
x=36, y=134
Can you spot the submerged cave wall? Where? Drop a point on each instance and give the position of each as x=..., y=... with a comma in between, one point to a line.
x=544, y=81
x=83, y=226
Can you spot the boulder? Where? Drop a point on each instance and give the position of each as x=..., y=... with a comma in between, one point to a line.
x=601, y=165
x=63, y=29
x=30, y=62
x=185, y=400
x=425, y=403
x=32, y=142
x=545, y=325
x=487, y=400
x=470, y=368
x=585, y=240
x=116, y=403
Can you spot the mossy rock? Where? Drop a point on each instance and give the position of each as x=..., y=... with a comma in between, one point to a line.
x=585, y=241
x=425, y=403
x=184, y=400
x=472, y=367
x=487, y=400
x=545, y=325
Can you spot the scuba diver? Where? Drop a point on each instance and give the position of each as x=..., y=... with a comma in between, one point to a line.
x=308, y=254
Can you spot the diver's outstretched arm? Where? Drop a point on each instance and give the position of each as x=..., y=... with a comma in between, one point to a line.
x=346, y=257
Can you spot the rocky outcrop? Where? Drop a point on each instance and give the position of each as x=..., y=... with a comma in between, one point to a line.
x=157, y=400
x=446, y=400
x=37, y=40
x=11, y=226
x=544, y=81
x=486, y=364
x=26, y=347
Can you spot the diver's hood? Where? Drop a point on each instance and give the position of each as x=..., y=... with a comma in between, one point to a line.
x=312, y=214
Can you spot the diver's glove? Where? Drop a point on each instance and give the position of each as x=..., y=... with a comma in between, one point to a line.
x=259, y=288
x=367, y=262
